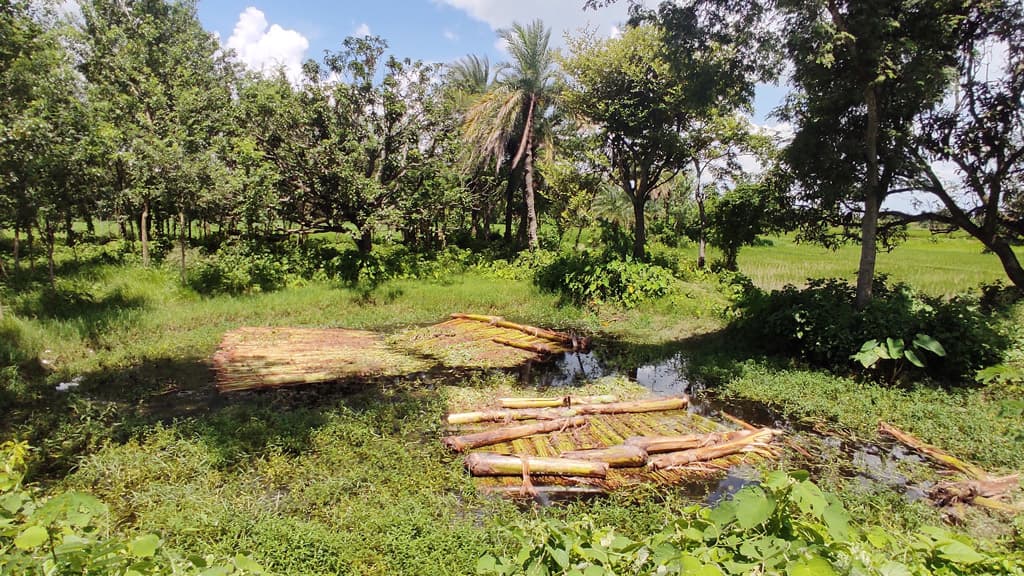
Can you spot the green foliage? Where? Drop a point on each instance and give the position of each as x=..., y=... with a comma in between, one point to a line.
x=68, y=534
x=584, y=279
x=820, y=324
x=784, y=525
x=874, y=354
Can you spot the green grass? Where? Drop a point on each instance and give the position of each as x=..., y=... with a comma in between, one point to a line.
x=351, y=479
x=940, y=265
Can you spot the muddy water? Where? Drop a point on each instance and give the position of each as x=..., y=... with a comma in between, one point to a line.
x=873, y=465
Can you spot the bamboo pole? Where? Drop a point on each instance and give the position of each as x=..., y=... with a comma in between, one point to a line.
x=662, y=444
x=490, y=464
x=496, y=436
x=754, y=442
x=502, y=323
x=657, y=405
x=621, y=456
x=933, y=452
x=555, y=402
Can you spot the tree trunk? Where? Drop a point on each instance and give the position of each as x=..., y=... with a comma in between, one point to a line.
x=144, y=232
x=181, y=241
x=1011, y=264
x=69, y=230
x=510, y=195
x=702, y=220
x=365, y=242
x=531, y=208
x=17, y=248
x=50, y=240
x=31, y=252
x=639, y=227
x=872, y=203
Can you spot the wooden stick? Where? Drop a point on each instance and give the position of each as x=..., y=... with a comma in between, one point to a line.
x=528, y=346
x=491, y=464
x=737, y=421
x=621, y=456
x=933, y=452
x=546, y=490
x=531, y=330
x=662, y=444
x=555, y=402
x=656, y=405
x=750, y=443
x=499, y=435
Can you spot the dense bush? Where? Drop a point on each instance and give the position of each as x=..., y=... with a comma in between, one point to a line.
x=821, y=325
x=585, y=279
x=786, y=525
x=237, y=268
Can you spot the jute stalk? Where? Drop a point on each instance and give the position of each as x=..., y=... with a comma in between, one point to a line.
x=490, y=464
x=658, y=405
x=621, y=456
x=499, y=435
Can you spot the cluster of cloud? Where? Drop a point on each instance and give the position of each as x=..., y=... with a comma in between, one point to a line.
x=562, y=16
x=265, y=48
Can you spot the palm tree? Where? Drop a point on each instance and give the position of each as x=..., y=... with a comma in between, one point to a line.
x=522, y=94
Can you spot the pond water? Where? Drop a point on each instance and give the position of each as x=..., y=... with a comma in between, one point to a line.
x=873, y=465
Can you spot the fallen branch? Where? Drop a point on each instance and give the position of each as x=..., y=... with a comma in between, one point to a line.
x=528, y=346
x=621, y=456
x=754, y=442
x=981, y=492
x=933, y=452
x=490, y=464
x=662, y=444
x=499, y=435
x=554, y=402
x=640, y=406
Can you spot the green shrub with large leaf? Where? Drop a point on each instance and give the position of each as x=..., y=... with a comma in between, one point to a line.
x=68, y=534
x=820, y=324
x=785, y=525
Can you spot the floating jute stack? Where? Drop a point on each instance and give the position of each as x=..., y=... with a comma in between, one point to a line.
x=479, y=341
x=687, y=447
x=252, y=358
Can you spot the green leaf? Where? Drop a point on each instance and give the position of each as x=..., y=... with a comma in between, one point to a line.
x=894, y=347
x=31, y=537
x=926, y=342
x=837, y=521
x=809, y=498
x=243, y=562
x=486, y=564
x=912, y=357
x=959, y=553
x=814, y=566
x=560, y=556
x=894, y=569
x=878, y=537
x=753, y=507
x=144, y=546
x=776, y=480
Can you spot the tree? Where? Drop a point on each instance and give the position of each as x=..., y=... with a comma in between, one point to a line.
x=514, y=109
x=979, y=129
x=863, y=70
x=626, y=88
x=742, y=214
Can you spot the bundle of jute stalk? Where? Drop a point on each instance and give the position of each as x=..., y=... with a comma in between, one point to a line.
x=755, y=441
x=508, y=415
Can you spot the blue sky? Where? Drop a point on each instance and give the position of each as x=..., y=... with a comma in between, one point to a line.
x=269, y=32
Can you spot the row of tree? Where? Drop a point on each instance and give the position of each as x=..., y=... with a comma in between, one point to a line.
x=133, y=113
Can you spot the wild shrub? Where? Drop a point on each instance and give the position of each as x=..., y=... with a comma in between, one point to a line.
x=821, y=325
x=588, y=280
x=786, y=525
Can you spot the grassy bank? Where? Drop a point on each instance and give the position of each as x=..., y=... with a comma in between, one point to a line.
x=351, y=479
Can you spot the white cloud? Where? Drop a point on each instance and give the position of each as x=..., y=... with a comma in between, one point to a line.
x=265, y=48
x=362, y=30
x=616, y=32
x=562, y=16
x=448, y=34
